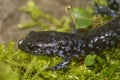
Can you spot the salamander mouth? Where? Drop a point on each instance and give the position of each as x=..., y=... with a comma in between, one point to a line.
x=28, y=48
x=20, y=44
x=20, y=41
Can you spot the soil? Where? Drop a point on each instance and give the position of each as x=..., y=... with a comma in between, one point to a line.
x=10, y=16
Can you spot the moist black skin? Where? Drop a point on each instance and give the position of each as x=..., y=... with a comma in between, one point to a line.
x=72, y=45
x=114, y=4
x=111, y=10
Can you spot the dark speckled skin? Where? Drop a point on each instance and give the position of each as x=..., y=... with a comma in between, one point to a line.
x=114, y=4
x=103, y=38
x=112, y=8
x=71, y=45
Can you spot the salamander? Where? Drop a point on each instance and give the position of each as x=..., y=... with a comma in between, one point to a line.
x=72, y=45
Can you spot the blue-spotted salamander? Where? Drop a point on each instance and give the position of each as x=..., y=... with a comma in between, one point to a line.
x=72, y=45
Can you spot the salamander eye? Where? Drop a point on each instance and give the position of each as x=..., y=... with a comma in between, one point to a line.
x=31, y=47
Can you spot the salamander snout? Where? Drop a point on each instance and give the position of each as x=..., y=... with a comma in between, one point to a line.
x=28, y=47
x=20, y=42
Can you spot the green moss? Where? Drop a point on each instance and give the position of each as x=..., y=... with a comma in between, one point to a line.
x=17, y=65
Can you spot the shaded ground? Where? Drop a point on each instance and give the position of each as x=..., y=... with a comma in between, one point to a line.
x=10, y=17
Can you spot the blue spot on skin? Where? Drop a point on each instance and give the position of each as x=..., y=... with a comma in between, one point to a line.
x=48, y=52
x=96, y=38
x=90, y=45
x=107, y=42
x=60, y=53
x=104, y=40
x=55, y=51
x=63, y=47
x=83, y=53
x=98, y=48
x=78, y=49
x=92, y=41
x=112, y=42
x=114, y=34
x=75, y=48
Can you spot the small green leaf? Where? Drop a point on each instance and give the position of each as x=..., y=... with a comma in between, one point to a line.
x=89, y=60
x=81, y=17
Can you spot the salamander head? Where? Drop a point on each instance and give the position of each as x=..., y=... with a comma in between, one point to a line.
x=39, y=43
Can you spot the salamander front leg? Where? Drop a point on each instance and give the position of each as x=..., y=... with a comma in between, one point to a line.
x=60, y=65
